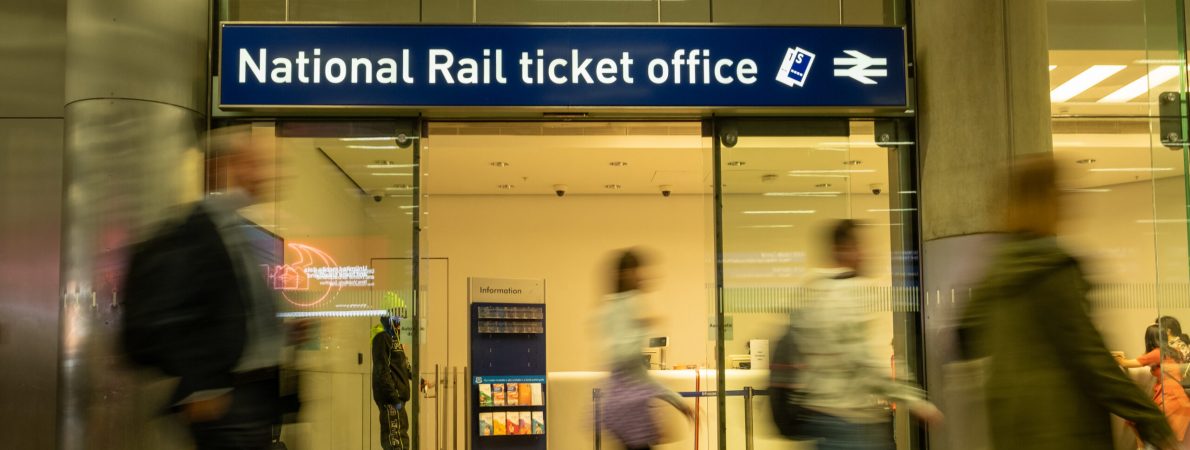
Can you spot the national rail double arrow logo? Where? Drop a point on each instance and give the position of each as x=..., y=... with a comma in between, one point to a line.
x=862, y=67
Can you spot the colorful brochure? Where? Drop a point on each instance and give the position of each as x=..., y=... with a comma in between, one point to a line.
x=485, y=395
x=526, y=421
x=526, y=392
x=538, y=422
x=538, y=398
x=511, y=395
x=485, y=424
x=499, y=424
x=498, y=394
x=514, y=423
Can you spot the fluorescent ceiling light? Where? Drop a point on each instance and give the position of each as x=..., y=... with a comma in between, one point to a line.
x=1133, y=169
x=1160, y=221
x=373, y=147
x=1052, y=67
x=374, y=138
x=767, y=226
x=1086, y=190
x=794, y=211
x=829, y=171
x=1083, y=81
x=802, y=194
x=391, y=166
x=408, y=206
x=391, y=174
x=893, y=210
x=1137, y=88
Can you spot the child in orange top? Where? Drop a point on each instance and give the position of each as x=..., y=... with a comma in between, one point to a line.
x=1167, y=390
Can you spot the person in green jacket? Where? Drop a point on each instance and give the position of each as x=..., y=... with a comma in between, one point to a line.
x=1051, y=383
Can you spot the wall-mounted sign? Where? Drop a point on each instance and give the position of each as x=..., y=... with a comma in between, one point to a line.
x=506, y=290
x=560, y=66
x=314, y=276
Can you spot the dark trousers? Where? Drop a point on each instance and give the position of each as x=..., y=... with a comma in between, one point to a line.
x=834, y=433
x=394, y=427
x=248, y=424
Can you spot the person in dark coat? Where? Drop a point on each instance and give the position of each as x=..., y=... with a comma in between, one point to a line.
x=222, y=337
x=391, y=380
x=1051, y=384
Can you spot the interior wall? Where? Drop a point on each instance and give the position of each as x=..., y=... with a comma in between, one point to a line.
x=32, y=86
x=568, y=242
x=1133, y=244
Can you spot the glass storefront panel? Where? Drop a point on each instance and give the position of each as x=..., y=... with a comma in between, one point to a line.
x=784, y=185
x=1117, y=72
x=492, y=210
x=337, y=245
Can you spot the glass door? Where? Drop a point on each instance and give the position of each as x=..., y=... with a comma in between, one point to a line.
x=784, y=184
x=1118, y=95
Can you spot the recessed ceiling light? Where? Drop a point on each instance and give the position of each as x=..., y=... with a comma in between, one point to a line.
x=854, y=162
x=1137, y=88
x=506, y=186
x=736, y=163
x=1133, y=169
x=795, y=211
x=613, y=186
x=500, y=164
x=1086, y=161
x=618, y=163
x=822, y=185
x=369, y=138
x=1083, y=81
x=829, y=172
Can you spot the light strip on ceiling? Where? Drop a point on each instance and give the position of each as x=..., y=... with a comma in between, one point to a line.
x=391, y=166
x=794, y=211
x=1133, y=169
x=1083, y=81
x=802, y=194
x=374, y=138
x=831, y=171
x=373, y=147
x=1052, y=67
x=1137, y=88
x=391, y=174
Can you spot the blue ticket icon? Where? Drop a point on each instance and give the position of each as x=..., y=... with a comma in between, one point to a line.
x=795, y=68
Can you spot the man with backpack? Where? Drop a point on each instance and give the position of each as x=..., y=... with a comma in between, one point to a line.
x=826, y=386
x=198, y=307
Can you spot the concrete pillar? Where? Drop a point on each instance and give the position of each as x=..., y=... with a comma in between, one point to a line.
x=982, y=69
x=135, y=101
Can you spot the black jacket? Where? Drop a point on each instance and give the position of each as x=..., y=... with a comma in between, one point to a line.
x=187, y=279
x=391, y=374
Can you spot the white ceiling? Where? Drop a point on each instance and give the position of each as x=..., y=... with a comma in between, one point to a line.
x=637, y=158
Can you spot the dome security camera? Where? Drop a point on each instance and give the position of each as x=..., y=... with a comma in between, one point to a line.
x=560, y=190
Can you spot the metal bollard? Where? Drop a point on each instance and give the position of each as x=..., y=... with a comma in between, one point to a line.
x=748, y=393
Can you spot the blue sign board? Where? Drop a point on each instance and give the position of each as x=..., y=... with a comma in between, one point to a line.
x=561, y=66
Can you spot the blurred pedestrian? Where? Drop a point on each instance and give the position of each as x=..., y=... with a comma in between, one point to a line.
x=1051, y=383
x=629, y=391
x=1163, y=362
x=198, y=307
x=840, y=385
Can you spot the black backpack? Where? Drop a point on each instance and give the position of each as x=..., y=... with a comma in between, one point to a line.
x=786, y=390
x=151, y=295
